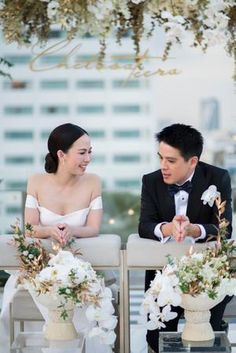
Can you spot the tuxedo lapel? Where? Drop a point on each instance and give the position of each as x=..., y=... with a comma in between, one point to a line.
x=167, y=203
x=199, y=183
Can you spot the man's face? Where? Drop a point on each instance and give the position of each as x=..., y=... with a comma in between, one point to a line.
x=175, y=169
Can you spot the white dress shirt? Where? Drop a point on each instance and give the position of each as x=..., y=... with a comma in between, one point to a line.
x=181, y=203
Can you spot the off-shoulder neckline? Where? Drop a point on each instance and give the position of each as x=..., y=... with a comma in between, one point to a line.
x=66, y=214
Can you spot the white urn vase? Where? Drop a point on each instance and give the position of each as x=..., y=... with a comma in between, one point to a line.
x=57, y=328
x=197, y=315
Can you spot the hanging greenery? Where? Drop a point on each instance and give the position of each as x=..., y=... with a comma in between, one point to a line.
x=208, y=21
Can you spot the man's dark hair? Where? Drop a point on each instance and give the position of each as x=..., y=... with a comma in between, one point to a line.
x=185, y=138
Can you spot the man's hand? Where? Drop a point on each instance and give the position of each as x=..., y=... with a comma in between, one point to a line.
x=180, y=227
x=185, y=228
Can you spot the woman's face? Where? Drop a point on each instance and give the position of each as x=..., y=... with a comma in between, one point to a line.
x=78, y=156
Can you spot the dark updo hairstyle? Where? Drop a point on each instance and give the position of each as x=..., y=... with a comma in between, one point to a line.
x=61, y=138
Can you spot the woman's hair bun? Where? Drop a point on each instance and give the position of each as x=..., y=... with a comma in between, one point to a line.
x=51, y=164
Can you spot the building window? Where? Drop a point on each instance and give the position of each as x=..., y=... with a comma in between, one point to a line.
x=16, y=185
x=18, y=135
x=90, y=84
x=52, y=59
x=86, y=58
x=18, y=110
x=45, y=134
x=127, y=183
x=126, y=133
x=124, y=158
x=16, y=85
x=55, y=84
x=96, y=133
x=123, y=84
x=56, y=34
x=91, y=109
x=18, y=59
x=123, y=58
x=13, y=209
x=53, y=109
x=98, y=158
x=126, y=109
x=19, y=160
x=87, y=36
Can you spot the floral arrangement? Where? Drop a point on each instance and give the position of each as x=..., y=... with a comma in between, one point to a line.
x=209, y=21
x=209, y=273
x=68, y=278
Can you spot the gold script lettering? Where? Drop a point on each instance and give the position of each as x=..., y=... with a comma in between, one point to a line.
x=135, y=68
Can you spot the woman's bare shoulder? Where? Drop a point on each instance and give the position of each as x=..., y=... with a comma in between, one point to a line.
x=37, y=177
x=92, y=178
x=94, y=183
x=35, y=181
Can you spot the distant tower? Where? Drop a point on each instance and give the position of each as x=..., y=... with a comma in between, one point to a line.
x=210, y=114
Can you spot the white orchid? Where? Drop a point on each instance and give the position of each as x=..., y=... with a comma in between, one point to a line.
x=210, y=195
x=52, y=9
x=154, y=322
x=196, y=273
x=63, y=277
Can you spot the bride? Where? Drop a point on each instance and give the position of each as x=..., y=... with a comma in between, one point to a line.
x=65, y=201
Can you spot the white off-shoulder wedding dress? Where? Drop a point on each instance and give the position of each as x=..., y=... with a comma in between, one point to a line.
x=47, y=218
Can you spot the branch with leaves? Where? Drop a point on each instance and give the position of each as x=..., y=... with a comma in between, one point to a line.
x=5, y=63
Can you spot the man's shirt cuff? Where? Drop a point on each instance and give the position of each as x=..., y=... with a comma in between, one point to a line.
x=203, y=234
x=158, y=233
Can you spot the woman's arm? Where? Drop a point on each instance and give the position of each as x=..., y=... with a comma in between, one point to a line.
x=32, y=214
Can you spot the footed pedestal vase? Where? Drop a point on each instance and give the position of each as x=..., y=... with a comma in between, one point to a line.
x=197, y=315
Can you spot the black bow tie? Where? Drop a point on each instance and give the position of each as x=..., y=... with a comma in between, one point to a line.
x=173, y=189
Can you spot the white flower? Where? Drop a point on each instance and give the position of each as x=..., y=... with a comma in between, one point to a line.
x=168, y=296
x=25, y=253
x=154, y=322
x=108, y=337
x=137, y=1
x=167, y=314
x=62, y=258
x=174, y=19
x=210, y=195
x=52, y=9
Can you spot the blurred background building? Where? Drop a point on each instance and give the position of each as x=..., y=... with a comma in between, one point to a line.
x=210, y=114
x=120, y=110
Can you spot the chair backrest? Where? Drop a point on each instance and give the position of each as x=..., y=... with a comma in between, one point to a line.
x=151, y=254
x=102, y=251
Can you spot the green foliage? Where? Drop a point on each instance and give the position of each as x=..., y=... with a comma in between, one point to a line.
x=4, y=62
x=117, y=206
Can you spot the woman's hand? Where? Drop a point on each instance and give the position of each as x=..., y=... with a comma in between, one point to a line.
x=56, y=232
x=66, y=232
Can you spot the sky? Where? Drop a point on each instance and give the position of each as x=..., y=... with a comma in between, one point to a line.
x=203, y=75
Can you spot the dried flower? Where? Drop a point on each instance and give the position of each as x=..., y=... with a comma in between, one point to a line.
x=67, y=277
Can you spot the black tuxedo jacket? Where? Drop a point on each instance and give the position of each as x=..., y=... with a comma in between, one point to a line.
x=158, y=206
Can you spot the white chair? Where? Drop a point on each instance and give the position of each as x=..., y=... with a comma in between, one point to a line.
x=23, y=308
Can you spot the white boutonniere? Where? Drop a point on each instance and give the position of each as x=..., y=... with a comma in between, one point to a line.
x=210, y=195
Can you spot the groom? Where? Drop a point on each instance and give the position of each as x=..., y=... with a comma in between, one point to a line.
x=171, y=205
